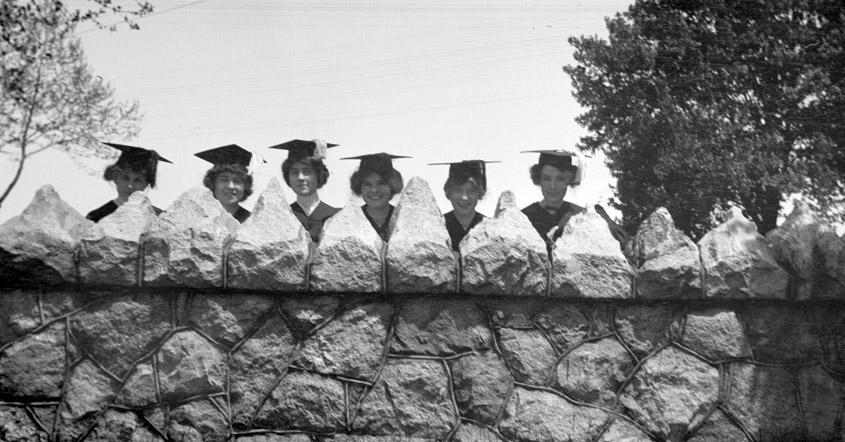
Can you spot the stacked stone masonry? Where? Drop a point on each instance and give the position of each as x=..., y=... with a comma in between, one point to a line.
x=187, y=326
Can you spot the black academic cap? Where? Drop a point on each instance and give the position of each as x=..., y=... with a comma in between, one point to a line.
x=468, y=168
x=299, y=149
x=376, y=161
x=560, y=159
x=133, y=154
x=229, y=154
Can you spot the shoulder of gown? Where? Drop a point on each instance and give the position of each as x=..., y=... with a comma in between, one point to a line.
x=101, y=212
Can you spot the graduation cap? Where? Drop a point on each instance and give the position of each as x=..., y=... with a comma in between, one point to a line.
x=229, y=154
x=133, y=154
x=468, y=169
x=376, y=161
x=300, y=149
x=560, y=159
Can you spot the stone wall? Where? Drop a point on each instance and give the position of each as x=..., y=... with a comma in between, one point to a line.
x=190, y=327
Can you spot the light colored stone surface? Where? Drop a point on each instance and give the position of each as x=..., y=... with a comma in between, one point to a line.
x=621, y=430
x=539, y=416
x=109, y=251
x=593, y=372
x=38, y=245
x=140, y=388
x=646, y=328
x=188, y=365
x=88, y=392
x=513, y=313
x=764, y=400
x=716, y=334
x=528, y=354
x=121, y=426
x=821, y=401
x=307, y=312
x=15, y=426
x=228, y=318
x=443, y=328
x=350, y=256
x=184, y=246
x=671, y=392
x=419, y=255
x=276, y=438
x=566, y=324
x=199, y=421
x=473, y=433
x=481, y=384
x=718, y=427
x=738, y=263
x=587, y=261
x=504, y=254
x=270, y=250
x=667, y=261
x=304, y=401
x=35, y=365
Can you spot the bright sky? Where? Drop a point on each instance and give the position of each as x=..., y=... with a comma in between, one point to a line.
x=438, y=81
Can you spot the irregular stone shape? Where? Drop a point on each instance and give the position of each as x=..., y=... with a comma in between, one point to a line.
x=481, y=384
x=276, y=438
x=350, y=255
x=184, y=246
x=645, y=328
x=15, y=426
x=821, y=398
x=121, y=425
x=270, y=251
x=304, y=401
x=188, y=365
x=587, y=261
x=35, y=365
x=255, y=367
x=671, y=393
x=411, y=399
x=473, y=433
x=763, y=399
x=528, y=354
x=446, y=327
x=45, y=415
x=512, y=313
x=140, y=388
x=227, y=318
x=504, y=255
x=352, y=345
x=19, y=314
x=594, y=371
x=782, y=334
x=59, y=303
x=831, y=283
x=621, y=430
x=738, y=264
x=117, y=332
x=832, y=333
x=718, y=427
x=88, y=392
x=197, y=421
x=307, y=312
x=109, y=250
x=545, y=417
x=716, y=334
x=38, y=245
x=667, y=261
x=565, y=324
x=419, y=255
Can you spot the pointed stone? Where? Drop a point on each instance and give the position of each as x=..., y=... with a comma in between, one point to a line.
x=738, y=263
x=504, y=255
x=587, y=261
x=270, y=250
x=37, y=246
x=419, y=255
x=184, y=246
x=350, y=255
x=667, y=261
x=109, y=250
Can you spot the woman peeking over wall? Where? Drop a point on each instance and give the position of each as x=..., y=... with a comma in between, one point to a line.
x=229, y=180
x=134, y=171
x=377, y=181
x=466, y=184
x=304, y=172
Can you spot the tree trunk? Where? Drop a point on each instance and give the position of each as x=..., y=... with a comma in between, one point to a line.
x=17, y=175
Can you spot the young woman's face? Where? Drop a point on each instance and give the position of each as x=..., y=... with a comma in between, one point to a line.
x=375, y=191
x=553, y=183
x=303, y=178
x=464, y=198
x=128, y=182
x=229, y=188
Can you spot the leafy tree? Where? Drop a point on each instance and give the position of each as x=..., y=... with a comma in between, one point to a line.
x=49, y=97
x=701, y=104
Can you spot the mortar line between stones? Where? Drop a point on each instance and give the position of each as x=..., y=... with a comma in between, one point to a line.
x=34, y=417
x=794, y=374
x=450, y=384
x=737, y=422
x=65, y=382
x=637, y=368
x=180, y=401
x=156, y=382
x=294, y=355
x=40, y=304
x=501, y=413
x=198, y=330
x=223, y=413
x=260, y=322
x=390, y=330
x=24, y=404
x=603, y=428
x=65, y=317
x=550, y=376
x=563, y=396
x=139, y=269
x=298, y=368
x=625, y=345
x=151, y=426
x=432, y=358
x=346, y=418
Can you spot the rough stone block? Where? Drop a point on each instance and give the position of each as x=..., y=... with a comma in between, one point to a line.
x=667, y=261
x=473, y=433
x=621, y=430
x=184, y=246
x=593, y=372
x=764, y=400
x=188, y=365
x=109, y=252
x=121, y=425
x=88, y=392
x=481, y=384
x=203, y=420
x=350, y=255
x=419, y=255
x=587, y=261
x=516, y=313
x=35, y=365
x=821, y=401
x=140, y=388
x=309, y=311
x=440, y=328
x=504, y=254
x=15, y=426
x=19, y=313
x=646, y=328
x=565, y=324
x=528, y=354
x=227, y=318
x=738, y=263
x=716, y=334
x=38, y=246
x=270, y=250
x=718, y=427
x=545, y=417
x=305, y=401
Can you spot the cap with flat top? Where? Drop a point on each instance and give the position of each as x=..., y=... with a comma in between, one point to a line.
x=229, y=154
x=468, y=169
x=135, y=154
x=300, y=149
x=560, y=159
x=376, y=161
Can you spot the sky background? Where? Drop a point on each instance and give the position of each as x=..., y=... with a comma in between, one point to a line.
x=438, y=81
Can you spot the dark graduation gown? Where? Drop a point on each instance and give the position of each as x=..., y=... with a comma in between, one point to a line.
x=543, y=220
x=241, y=214
x=107, y=209
x=314, y=223
x=384, y=230
x=456, y=230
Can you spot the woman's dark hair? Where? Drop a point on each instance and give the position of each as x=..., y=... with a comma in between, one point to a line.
x=237, y=169
x=318, y=166
x=459, y=180
x=537, y=168
x=390, y=176
x=146, y=164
